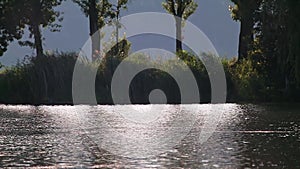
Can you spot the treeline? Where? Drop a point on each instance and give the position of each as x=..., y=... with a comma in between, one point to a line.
x=267, y=68
x=48, y=79
x=34, y=15
x=270, y=39
x=18, y=15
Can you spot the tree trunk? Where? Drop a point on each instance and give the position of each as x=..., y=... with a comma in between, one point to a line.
x=178, y=21
x=39, y=51
x=35, y=27
x=94, y=33
x=38, y=43
x=246, y=38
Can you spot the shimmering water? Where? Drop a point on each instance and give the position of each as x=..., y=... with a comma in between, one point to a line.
x=246, y=136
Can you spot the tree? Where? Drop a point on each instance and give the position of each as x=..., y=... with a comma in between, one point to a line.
x=244, y=11
x=41, y=13
x=99, y=13
x=10, y=27
x=34, y=14
x=294, y=38
x=272, y=28
x=181, y=10
x=118, y=6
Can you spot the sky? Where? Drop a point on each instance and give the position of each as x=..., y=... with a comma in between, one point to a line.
x=212, y=17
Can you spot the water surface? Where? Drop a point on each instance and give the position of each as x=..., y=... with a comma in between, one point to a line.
x=254, y=136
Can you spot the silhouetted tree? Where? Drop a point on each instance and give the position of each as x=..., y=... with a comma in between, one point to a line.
x=17, y=14
x=99, y=12
x=270, y=37
x=244, y=11
x=181, y=10
x=10, y=28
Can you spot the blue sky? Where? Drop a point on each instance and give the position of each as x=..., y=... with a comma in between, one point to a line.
x=212, y=17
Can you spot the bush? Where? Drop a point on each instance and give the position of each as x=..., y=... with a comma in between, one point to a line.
x=246, y=82
x=48, y=80
x=39, y=80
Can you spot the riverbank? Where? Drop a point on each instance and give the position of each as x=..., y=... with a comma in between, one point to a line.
x=48, y=81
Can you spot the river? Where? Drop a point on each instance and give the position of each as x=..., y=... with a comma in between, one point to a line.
x=151, y=136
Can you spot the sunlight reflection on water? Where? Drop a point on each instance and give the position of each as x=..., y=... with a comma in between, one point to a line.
x=72, y=136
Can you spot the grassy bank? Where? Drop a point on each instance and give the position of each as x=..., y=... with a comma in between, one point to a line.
x=48, y=80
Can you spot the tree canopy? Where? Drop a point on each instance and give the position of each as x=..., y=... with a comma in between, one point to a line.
x=16, y=15
x=270, y=36
x=99, y=13
x=181, y=10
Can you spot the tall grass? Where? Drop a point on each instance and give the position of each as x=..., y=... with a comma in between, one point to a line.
x=48, y=80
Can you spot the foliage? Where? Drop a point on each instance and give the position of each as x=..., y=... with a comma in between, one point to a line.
x=48, y=80
x=38, y=80
x=246, y=13
x=99, y=12
x=248, y=82
x=181, y=10
x=268, y=67
x=103, y=10
x=271, y=39
x=16, y=15
x=10, y=27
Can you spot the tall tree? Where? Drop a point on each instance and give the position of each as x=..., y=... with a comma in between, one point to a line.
x=10, y=27
x=41, y=13
x=181, y=10
x=294, y=38
x=99, y=12
x=244, y=11
x=121, y=4
x=34, y=14
x=272, y=32
x=272, y=28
